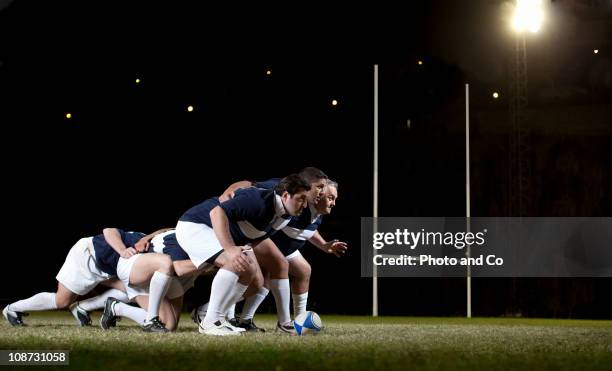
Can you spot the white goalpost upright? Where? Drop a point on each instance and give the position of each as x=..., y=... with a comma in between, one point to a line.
x=375, y=209
x=467, y=194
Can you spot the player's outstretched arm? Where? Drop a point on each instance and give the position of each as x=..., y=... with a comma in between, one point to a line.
x=143, y=244
x=335, y=247
x=113, y=237
x=229, y=192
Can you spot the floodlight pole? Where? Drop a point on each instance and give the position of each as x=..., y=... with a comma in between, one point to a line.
x=375, y=209
x=467, y=194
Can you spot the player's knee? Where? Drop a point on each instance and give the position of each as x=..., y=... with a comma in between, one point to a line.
x=280, y=267
x=62, y=302
x=165, y=265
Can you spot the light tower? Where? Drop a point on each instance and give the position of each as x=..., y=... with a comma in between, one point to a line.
x=527, y=18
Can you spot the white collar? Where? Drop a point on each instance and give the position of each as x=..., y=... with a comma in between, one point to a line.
x=279, y=208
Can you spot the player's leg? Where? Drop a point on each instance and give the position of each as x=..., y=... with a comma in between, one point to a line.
x=156, y=270
x=80, y=309
x=230, y=285
x=14, y=312
x=273, y=261
x=251, y=304
x=76, y=277
x=231, y=281
x=299, y=271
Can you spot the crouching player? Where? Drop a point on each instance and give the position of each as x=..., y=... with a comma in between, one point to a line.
x=219, y=233
x=80, y=273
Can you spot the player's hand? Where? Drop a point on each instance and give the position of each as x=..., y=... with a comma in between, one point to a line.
x=128, y=253
x=336, y=247
x=226, y=196
x=142, y=245
x=238, y=258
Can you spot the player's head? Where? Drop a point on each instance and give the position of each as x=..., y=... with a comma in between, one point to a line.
x=317, y=179
x=328, y=199
x=293, y=190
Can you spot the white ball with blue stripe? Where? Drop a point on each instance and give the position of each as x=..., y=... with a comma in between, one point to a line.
x=308, y=323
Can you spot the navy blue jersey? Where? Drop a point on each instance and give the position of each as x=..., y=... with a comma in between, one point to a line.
x=166, y=243
x=106, y=257
x=295, y=234
x=253, y=214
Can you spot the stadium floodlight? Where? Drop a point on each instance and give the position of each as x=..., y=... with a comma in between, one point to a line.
x=527, y=16
x=595, y=51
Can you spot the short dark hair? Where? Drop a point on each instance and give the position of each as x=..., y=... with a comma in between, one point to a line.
x=312, y=174
x=293, y=184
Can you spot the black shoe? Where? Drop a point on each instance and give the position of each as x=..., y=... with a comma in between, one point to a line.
x=195, y=317
x=250, y=326
x=109, y=319
x=234, y=322
x=14, y=318
x=80, y=314
x=154, y=325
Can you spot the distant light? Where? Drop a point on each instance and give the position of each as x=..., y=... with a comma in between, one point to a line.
x=595, y=51
x=334, y=102
x=137, y=81
x=420, y=63
x=495, y=95
x=528, y=16
x=189, y=108
x=69, y=115
x=408, y=124
x=268, y=72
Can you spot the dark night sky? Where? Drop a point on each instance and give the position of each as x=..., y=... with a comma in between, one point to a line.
x=132, y=157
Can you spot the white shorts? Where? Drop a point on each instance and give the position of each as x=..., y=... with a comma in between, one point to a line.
x=198, y=240
x=124, y=268
x=79, y=273
x=293, y=255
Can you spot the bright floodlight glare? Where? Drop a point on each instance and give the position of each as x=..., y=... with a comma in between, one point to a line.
x=420, y=63
x=69, y=115
x=190, y=108
x=495, y=95
x=595, y=51
x=334, y=102
x=137, y=81
x=268, y=72
x=528, y=16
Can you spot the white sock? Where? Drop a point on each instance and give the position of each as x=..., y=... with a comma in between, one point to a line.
x=97, y=302
x=299, y=303
x=237, y=296
x=231, y=312
x=252, y=303
x=282, y=295
x=202, y=310
x=221, y=295
x=157, y=290
x=40, y=301
x=136, y=314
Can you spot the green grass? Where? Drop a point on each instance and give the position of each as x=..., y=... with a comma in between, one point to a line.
x=356, y=343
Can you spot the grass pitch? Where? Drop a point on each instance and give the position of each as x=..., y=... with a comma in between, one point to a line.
x=356, y=343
